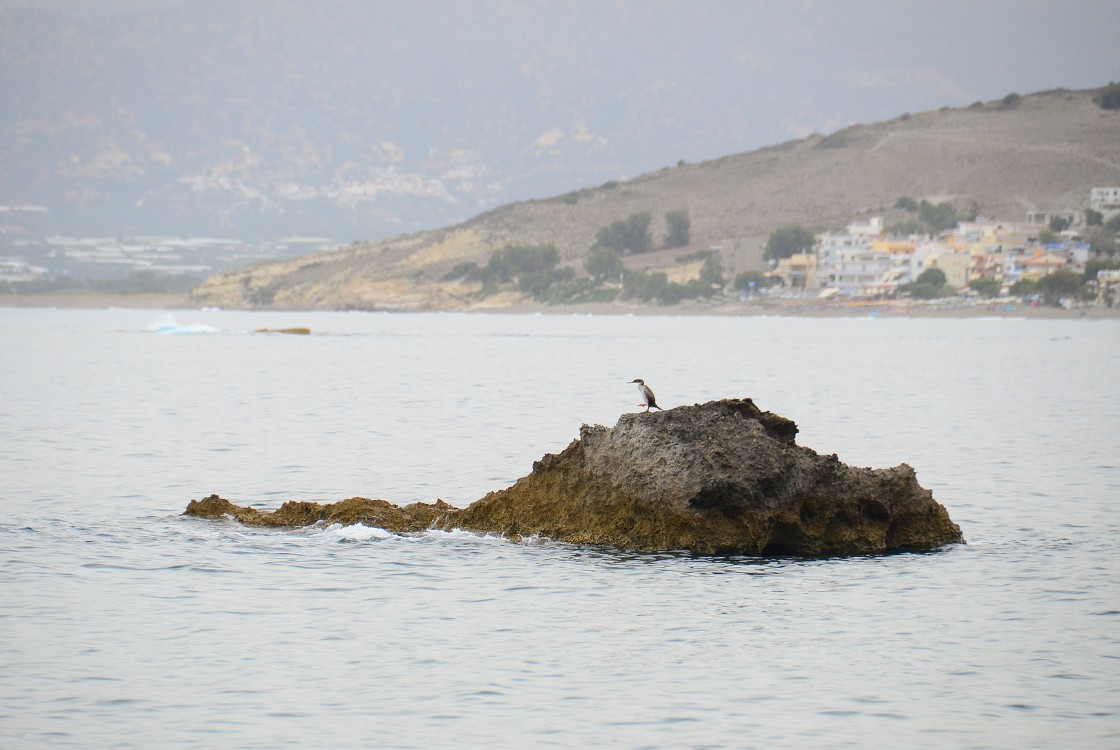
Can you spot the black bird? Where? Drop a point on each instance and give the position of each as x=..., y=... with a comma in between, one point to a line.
x=647, y=395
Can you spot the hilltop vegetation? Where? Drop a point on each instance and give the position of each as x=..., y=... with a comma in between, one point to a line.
x=1041, y=151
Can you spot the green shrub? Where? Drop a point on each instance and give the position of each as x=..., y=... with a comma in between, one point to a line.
x=789, y=240
x=1059, y=285
x=907, y=228
x=537, y=284
x=514, y=261
x=679, y=226
x=643, y=285
x=743, y=280
x=603, y=262
x=985, y=287
x=938, y=216
x=712, y=272
x=929, y=284
x=468, y=270
x=627, y=235
x=694, y=256
x=1024, y=288
x=1109, y=98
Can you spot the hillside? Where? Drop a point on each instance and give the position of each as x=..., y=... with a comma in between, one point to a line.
x=1044, y=152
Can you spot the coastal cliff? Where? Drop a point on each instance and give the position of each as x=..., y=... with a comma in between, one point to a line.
x=717, y=478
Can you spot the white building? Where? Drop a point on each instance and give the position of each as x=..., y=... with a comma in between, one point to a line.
x=863, y=272
x=830, y=247
x=847, y=262
x=1043, y=218
x=872, y=227
x=1106, y=200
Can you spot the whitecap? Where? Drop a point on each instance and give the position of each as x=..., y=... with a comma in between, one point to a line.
x=169, y=325
x=356, y=532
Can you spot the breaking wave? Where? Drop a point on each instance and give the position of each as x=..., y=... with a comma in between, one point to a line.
x=170, y=326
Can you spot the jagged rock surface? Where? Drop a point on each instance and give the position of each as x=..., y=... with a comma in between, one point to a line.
x=717, y=478
x=379, y=513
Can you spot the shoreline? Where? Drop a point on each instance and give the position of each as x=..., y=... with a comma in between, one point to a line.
x=778, y=308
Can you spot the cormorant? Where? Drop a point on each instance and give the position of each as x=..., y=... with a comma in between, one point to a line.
x=647, y=395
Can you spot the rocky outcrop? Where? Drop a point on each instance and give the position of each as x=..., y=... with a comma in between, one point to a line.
x=379, y=513
x=717, y=478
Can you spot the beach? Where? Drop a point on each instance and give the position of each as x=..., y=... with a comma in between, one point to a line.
x=779, y=307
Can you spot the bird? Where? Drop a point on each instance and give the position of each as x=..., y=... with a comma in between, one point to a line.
x=647, y=394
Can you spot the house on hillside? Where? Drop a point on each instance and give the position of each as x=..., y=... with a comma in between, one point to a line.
x=1002, y=264
x=1076, y=253
x=834, y=253
x=859, y=272
x=1041, y=264
x=872, y=227
x=1106, y=200
x=1043, y=218
x=1108, y=287
x=741, y=255
x=955, y=266
x=985, y=236
x=909, y=257
x=798, y=271
x=863, y=261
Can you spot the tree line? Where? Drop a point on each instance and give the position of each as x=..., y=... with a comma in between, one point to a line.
x=535, y=269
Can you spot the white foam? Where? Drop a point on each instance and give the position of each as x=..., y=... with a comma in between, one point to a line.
x=168, y=325
x=356, y=532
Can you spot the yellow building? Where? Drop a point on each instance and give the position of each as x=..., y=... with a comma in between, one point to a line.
x=798, y=271
x=894, y=246
x=955, y=267
x=1108, y=287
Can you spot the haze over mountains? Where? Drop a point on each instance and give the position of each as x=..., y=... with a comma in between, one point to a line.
x=1000, y=159
x=367, y=120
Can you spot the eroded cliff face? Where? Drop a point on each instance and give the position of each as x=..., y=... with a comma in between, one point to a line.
x=717, y=478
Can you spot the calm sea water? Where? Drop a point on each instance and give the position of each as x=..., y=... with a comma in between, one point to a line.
x=125, y=625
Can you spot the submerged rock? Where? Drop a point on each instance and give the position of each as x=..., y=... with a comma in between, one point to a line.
x=717, y=478
x=297, y=331
x=379, y=513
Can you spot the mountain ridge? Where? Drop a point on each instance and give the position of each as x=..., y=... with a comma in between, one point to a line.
x=358, y=120
x=1001, y=158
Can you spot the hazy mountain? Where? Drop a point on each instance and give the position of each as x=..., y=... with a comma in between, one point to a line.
x=1042, y=151
x=363, y=120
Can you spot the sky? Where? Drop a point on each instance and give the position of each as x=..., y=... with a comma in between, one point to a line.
x=487, y=102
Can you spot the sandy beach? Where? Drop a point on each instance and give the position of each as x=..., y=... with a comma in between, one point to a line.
x=798, y=308
x=97, y=301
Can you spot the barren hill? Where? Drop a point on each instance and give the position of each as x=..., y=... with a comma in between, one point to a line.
x=1044, y=151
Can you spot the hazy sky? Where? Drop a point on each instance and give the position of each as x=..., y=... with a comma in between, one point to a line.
x=484, y=102
x=920, y=54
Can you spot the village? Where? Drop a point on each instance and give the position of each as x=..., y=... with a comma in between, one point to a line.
x=866, y=261
x=28, y=259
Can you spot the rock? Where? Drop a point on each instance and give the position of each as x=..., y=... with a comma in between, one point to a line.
x=297, y=331
x=717, y=478
x=379, y=513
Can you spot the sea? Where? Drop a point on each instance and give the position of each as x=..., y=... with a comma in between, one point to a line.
x=124, y=624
